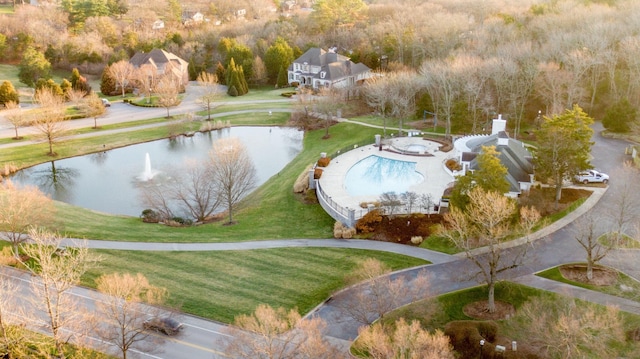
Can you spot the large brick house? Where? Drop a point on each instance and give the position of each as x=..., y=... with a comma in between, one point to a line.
x=159, y=63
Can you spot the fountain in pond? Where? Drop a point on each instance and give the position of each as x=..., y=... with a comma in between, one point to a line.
x=148, y=172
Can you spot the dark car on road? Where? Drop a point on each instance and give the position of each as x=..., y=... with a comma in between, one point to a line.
x=164, y=325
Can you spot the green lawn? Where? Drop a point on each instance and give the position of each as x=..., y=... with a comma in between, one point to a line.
x=632, y=286
x=222, y=284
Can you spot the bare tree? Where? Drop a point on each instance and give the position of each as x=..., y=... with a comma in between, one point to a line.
x=402, y=340
x=442, y=83
x=196, y=191
x=390, y=201
x=50, y=122
x=585, y=234
x=59, y=270
x=233, y=171
x=21, y=209
x=159, y=198
x=623, y=208
x=564, y=328
x=146, y=79
x=378, y=293
x=426, y=202
x=12, y=336
x=92, y=106
x=123, y=72
x=210, y=91
x=409, y=199
x=488, y=221
x=127, y=304
x=377, y=96
x=167, y=90
x=328, y=101
x=75, y=96
x=277, y=334
x=403, y=88
x=15, y=116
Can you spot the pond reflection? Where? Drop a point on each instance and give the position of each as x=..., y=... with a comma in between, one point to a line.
x=108, y=181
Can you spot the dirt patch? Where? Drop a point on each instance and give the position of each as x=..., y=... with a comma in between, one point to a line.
x=478, y=310
x=400, y=229
x=543, y=199
x=602, y=276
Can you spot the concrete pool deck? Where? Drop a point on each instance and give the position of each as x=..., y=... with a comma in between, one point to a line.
x=430, y=165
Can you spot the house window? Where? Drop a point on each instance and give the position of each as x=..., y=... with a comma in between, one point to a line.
x=323, y=74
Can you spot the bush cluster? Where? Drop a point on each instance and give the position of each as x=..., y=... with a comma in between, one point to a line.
x=369, y=222
x=453, y=165
x=416, y=239
x=302, y=182
x=288, y=94
x=341, y=231
x=465, y=336
x=324, y=161
x=150, y=216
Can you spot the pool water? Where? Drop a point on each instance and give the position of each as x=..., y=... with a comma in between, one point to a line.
x=375, y=175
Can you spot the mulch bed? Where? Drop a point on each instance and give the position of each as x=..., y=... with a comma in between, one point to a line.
x=602, y=276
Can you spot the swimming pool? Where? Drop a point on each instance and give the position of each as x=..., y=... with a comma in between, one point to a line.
x=375, y=175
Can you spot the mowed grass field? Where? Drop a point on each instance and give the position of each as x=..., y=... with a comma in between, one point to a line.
x=223, y=284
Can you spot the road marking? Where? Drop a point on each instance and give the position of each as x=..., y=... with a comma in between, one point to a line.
x=207, y=330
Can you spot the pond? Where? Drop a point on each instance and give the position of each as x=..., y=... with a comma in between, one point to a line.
x=111, y=181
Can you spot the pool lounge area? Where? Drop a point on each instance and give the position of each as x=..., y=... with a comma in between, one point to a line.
x=423, y=156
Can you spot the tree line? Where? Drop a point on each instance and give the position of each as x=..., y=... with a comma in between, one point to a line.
x=476, y=58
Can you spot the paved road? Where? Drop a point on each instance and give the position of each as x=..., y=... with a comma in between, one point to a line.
x=447, y=274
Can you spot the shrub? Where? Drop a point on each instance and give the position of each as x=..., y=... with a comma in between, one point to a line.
x=465, y=336
x=416, y=239
x=453, y=165
x=369, y=222
x=317, y=173
x=324, y=161
x=288, y=94
x=337, y=229
x=348, y=233
x=340, y=231
x=488, y=330
x=150, y=216
x=7, y=258
x=302, y=182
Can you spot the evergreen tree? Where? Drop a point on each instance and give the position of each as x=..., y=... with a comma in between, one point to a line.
x=620, y=116
x=55, y=89
x=490, y=175
x=221, y=73
x=278, y=55
x=564, y=145
x=107, y=82
x=75, y=76
x=283, y=79
x=66, y=86
x=236, y=80
x=8, y=93
x=33, y=66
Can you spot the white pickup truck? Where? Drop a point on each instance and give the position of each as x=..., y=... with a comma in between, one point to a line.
x=592, y=176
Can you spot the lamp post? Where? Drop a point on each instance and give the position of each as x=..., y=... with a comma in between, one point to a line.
x=481, y=348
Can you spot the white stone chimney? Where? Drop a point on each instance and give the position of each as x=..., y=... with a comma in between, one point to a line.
x=498, y=125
